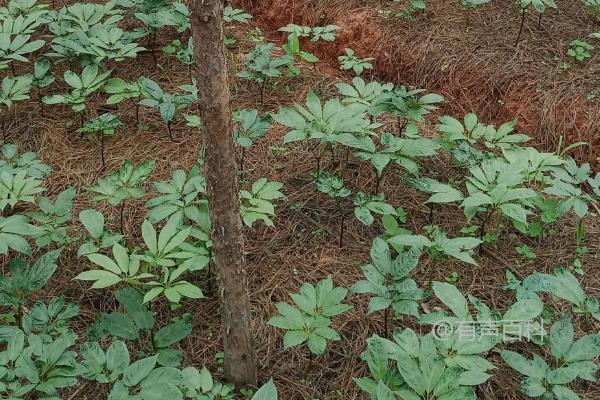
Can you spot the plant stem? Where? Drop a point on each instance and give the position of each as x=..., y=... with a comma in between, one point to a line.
x=262, y=92
x=482, y=230
x=170, y=132
x=41, y=102
x=343, y=215
x=3, y=130
x=386, y=316
x=102, y=150
x=121, y=211
x=209, y=273
x=377, y=182
x=12, y=68
x=332, y=151
x=540, y=21
x=521, y=28
x=242, y=160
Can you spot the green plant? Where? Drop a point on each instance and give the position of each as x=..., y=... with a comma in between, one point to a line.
x=292, y=49
x=39, y=365
x=365, y=205
x=260, y=66
x=326, y=33
x=136, y=322
x=104, y=366
x=90, y=81
x=49, y=319
x=353, y=62
x=166, y=103
x=406, y=105
x=333, y=186
x=42, y=77
x=579, y=50
x=562, y=285
x=122, y=184
x=15, y=41
x=361, y=92
x=249, y=126
x=257, y=204
x=311, y=322
x=439, y=247
x=525, y=252
x=202, y=386
x=12, y=160
x=13, y=231
x=16, y=188
x=231, y=14
x=538, y=5
x=99, y=236
x=179, y=198
x=120, y=90
x=124, y=268
x=24, y=280
x=14, y=89
x=52, y=216
x=388, y=280
x=104, y=125
x=572, y=360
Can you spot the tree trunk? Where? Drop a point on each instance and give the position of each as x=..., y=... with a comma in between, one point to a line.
x=223, y=191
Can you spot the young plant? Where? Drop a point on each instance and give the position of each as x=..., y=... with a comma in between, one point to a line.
x=13, y=233
x=257, y=204
x=579, y=50
x=406, y=105
x=90, y=81
x=333, y=186
x=166, y=103
x=97, y=128
x=249, y=126
x=14, y=89
x=350, y=61
x=42, y=77
x=388, y=280
x=326, y=33
x=123, y=184
x=136, y=321
x=16, y=45
x=179, y=198
x=231, y=14
x=98, y=236
x=23, y=280
x=469, y=6
x=260, y=66
x=366, y=204
x=292, y=49
x=572, y=360
x=16, y=188
x=121, y=90
x=12, y=160
x=361, y=92
x=52, y=216
x=311, y=323
x=538, y=5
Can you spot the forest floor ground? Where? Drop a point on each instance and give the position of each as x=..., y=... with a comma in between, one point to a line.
x=475, y=69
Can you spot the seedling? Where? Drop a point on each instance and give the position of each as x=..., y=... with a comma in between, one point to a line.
x=249, y=126
x=98, y=128
x=580, y=50
x=122, y=184
x=14, y=89
x=333, y=186
x=350, y=61
x=260, y=67
x=538, y=5
x=310, y=323
x=388, y=279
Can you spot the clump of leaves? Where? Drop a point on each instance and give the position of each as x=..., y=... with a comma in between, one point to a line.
x=249, y=126
x=388, y=280
x=350, y=61
x=123, y=184
x=366, y=204
x=24, y=280
x=14, y=89
x=13, y=233
x=52, y=217
x=260, y=66
x=310, y=323
x=574, y=361
x=333, y=186
x=99, y=237
x=12, y=160
x=579, y=50
x=257, y=204
x=105, y=125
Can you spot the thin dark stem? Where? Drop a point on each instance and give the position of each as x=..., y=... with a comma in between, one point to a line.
x=430, y=217
x=41, y=102
x=482, y=229
x=521, y=28
x=540, y=21
x=82, y=118
x=3, y=130
x=121, y=211
x=332, y=151
x=262, y=92
x=386, y=316
x=377, y=182
x=102, y=150
x=12, y=68
x=209, y=273
x=310, y=361
x=170, y=132
x=342, y=223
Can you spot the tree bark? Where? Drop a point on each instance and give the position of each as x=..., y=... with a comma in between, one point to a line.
x=223, y=191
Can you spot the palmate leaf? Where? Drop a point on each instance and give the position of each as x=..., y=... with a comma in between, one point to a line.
x=12, y=160
x=24, y=280
x=123, y=184
x=250, y=126
x=257, y=204
x=260, y=66
x=366, y=205
x=16, y=47
x=15, y=89
x=15, y=188
x=13, y=231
